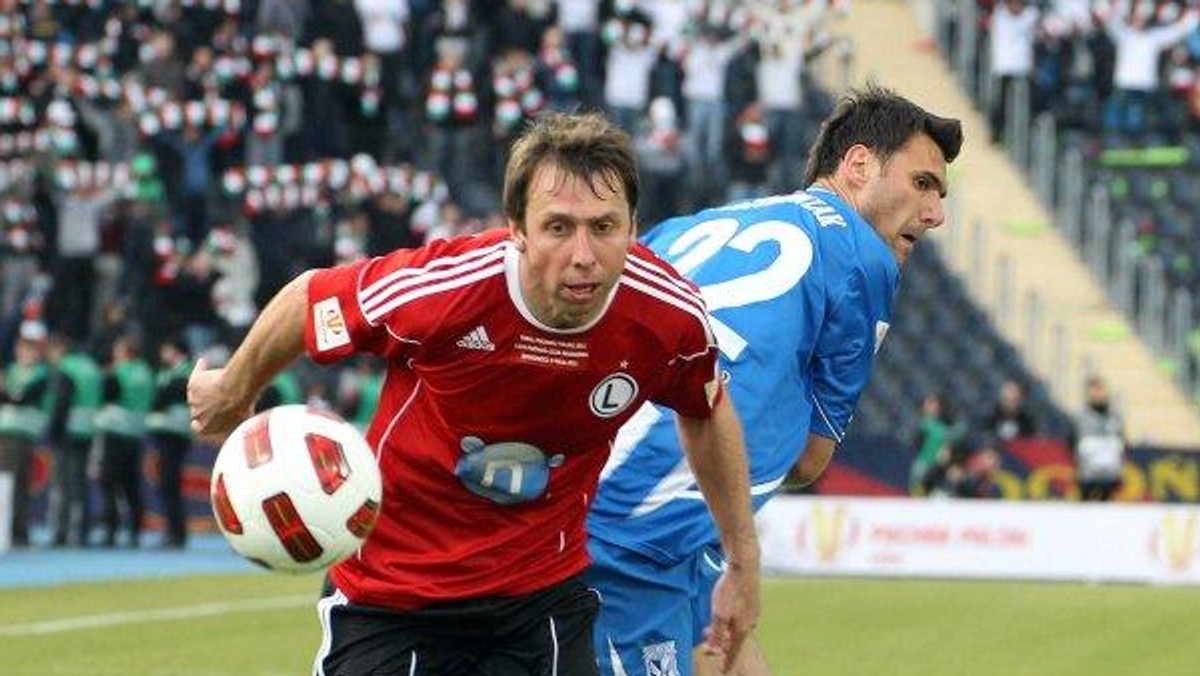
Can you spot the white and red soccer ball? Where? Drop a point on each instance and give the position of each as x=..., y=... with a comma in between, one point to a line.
x=296, y=489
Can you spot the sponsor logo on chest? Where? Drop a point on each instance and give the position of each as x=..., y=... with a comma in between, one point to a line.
x=534, y=349
x=610, y=397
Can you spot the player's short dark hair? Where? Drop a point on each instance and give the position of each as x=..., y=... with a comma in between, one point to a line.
x=881, y=120
x=583, y=145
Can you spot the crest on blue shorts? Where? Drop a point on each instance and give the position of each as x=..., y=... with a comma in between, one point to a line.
x=660, y=659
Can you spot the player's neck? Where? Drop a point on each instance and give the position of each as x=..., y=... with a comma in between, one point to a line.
x=831, y=185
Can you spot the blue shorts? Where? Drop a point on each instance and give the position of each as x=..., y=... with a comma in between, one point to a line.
x=651, y=615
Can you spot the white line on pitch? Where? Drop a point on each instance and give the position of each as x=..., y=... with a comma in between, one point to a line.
x=154, y=615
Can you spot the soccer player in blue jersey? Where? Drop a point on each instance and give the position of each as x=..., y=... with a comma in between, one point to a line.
x=801, y=288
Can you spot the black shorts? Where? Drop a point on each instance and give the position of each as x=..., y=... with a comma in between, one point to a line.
x=548, y=633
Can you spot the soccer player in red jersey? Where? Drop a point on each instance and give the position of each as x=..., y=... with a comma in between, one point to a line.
x=513, y=356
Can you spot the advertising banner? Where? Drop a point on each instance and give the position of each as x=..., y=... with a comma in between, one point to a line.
x=981, y=539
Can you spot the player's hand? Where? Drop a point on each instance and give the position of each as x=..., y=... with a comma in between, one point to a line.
x=214, y=413
x=735, y=611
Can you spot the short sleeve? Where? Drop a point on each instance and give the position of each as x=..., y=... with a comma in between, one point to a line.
x=842, y=362
x=691, y=381
x=335, y=327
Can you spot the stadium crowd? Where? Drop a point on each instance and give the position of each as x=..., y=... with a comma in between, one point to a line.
x=1117, y=66
x=165, y=166
x=1119, y=84
x=155, y=153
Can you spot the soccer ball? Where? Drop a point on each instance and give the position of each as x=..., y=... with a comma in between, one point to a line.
x=295, y=489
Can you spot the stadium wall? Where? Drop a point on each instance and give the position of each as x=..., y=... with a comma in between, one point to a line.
x=1031, y=469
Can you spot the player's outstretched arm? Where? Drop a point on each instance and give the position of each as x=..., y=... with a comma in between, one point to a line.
x=718, y=458
x=221, y=398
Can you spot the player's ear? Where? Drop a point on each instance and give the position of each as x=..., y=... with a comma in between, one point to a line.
x=517, y=234
x=633, y=230
x=858, y=163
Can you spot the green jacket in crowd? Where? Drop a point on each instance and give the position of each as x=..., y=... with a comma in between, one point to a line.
x=129, y=396
x=27, y=401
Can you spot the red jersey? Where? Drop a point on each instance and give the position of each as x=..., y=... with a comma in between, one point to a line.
x=469, y=365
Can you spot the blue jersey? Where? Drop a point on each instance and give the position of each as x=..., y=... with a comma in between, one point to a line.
x=800, y=289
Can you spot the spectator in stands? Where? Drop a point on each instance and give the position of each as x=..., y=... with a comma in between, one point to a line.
x=121, y=426
x=1082, y=67
x=1014, y=26
x=1011, y=418
x=201, y=79
x=1137, y=86
x=164, y=69
x=386, y=34
x=367, y=110
x=324, y=104
x=115, y=128
x=454, y=22
x=578, y=21
x=1099, y=443
x=23, y=281
x=558, y=74
x=778, y=75
x=114, y=323
x=517, y=98
x=750, y=152
x=81, y=208
x=194, y=147
x=25, y=406
x=169, y=427
x=236, y=277
x=705, y=65
x=283, y=18
x=631, y=58
x=662, y=163
x=1077, y=12
x=79, y=392
x=452, y=115
x=273, y=117
x=935, y=437
x=183, y=295
x=43, y=24
x=974, y=461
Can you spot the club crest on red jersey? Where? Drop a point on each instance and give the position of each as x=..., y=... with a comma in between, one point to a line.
x=613, y=395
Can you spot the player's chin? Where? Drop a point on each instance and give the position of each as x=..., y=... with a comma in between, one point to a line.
x=573, y=315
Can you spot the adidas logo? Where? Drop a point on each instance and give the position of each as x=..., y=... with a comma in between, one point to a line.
x=477, y=339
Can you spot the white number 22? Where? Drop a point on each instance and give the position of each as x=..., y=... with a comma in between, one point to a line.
x=702, y=242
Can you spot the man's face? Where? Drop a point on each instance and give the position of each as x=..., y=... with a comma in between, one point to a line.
x=573, y=245
x=903, y=198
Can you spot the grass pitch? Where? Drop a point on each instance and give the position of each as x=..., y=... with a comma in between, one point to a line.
x=265, y=625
